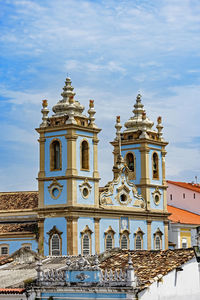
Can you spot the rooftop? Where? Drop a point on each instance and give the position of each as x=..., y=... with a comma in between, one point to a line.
x=148, y=264
x=18, y=200
x=191, y=186
x=182, y=216
x=14, y=228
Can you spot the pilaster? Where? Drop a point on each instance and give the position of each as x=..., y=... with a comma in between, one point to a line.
x=72, y=236
x=95, y=156
x=97, y=238
x=148, y=235
x=71, y=153
x=42, y=140
x=41, y=236
x=144, y=152
x=166, y=233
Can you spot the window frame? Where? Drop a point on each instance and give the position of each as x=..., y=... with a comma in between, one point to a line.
x=108, y=232
x=52, y=155
x=158, y=234
x=155, y=177
x=139, y=233
x=87, y=154
x=51, y=233
x=86, y=231
x=131, y=174
x=125, y=233
x=4, y=246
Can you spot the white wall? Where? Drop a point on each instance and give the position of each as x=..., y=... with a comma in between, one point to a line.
x=181, y=285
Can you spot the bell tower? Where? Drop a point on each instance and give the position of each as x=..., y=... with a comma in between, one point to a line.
x=68, y=177
x=143, y=151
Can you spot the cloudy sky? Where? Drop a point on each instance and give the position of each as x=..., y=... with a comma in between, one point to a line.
x=111, y=50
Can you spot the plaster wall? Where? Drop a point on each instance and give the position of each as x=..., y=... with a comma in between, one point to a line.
x=49, y=200
x=181, y=285
x=90, y=199
x=82, y=135
x=134, y=225
x=160, y=206
x=61, y=225
x=48, y=141
x=158, y=151
x=154, y=226
x=188, y=203
x=15, y=244
x=82, y=222
x=104, y=223
x=131, y=148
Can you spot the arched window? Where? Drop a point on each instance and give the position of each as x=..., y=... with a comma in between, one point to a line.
x=157, y=243
x=86, y=241
x=155, y=166
x=86, y=244
x=139, y=239
x=55, y=241
x=55, y=150
x=109, y=238
x=130, y=161
x=109, y=242
x=158, y=239
x=55, y=245
x=138, y=242
x=124, y=242
x=84, y=155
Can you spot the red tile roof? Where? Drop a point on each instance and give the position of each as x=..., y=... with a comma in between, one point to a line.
x=182, y=216
x=12, y=291
x=23, y=227
x=147, y=264
x=18, y=200
x=191, y=186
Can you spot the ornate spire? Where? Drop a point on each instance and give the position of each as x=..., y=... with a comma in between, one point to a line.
x=64, y=106
x=139, y=121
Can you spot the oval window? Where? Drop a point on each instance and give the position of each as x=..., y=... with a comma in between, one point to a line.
x=123, y=198
x=55, y=192
x=85, y=192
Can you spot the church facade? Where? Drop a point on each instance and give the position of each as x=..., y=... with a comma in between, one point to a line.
x=76, y=216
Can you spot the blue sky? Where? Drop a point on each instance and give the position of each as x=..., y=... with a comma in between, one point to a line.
x=110, y=49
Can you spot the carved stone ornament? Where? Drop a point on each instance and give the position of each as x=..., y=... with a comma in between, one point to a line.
x=55, y=189
x=156, y=195
x=123, y=196
x=82, y=276
x=85, y=188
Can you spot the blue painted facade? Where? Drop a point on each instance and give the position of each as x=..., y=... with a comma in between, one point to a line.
x=103, y=226
x=82, y=295
x=49, y=200
x=154, y=226
x=16, y=243
x=61, y=225
x=135, y=225
x=82, y=223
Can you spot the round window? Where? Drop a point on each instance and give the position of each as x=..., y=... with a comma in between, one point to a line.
x=85, y=192
x=123, y=198
x=157, y=199
x=55, y=192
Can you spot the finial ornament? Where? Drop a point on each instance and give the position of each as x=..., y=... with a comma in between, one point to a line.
x=91, y=113
x=159, y=128
x=44, y=112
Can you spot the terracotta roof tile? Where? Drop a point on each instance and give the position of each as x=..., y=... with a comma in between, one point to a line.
x=182, y=216
x=12, y=291
x=191, y=186
x=13, y=228
x=148, y=264
x=18, y=200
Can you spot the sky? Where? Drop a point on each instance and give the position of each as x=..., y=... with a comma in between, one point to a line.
x=111, y=50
